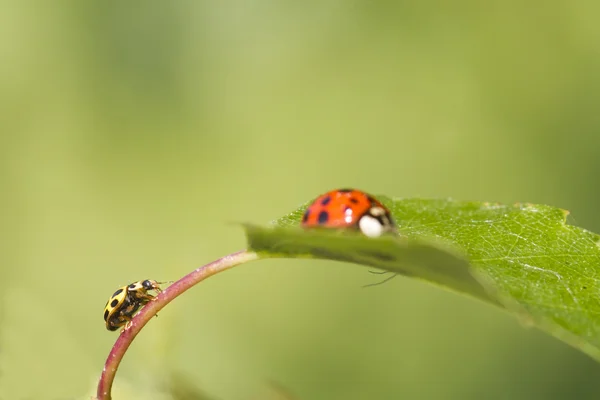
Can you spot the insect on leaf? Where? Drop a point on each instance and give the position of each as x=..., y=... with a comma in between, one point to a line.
x=524, y=258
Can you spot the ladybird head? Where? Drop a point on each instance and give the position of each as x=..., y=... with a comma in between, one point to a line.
x=376, y=222
x=144, y=286
x=150, y=284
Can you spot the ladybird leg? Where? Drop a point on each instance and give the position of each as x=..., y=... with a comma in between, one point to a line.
x=143, y=299
x=379, y=272
x=149, y=298
x=158, y=290
x=382, y=282
x=128, y=324
x=146, y=298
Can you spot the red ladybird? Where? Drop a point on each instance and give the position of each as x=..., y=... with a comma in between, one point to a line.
x=349, y=208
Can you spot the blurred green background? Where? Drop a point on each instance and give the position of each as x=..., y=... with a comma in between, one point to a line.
x=135, y=136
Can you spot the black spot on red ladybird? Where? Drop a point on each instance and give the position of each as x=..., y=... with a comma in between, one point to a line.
x=306, y=215
x=326, y=201
x=353, y=200
x=345, y=190
x=323, y=217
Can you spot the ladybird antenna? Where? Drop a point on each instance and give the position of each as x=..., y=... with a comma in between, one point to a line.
x=381, y=282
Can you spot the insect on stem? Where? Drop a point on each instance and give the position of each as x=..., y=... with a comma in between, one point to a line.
x=161, y=300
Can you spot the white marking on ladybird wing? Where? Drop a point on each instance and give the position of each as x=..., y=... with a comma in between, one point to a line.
x=348, y=217
x=370, y=226
x=377, y=211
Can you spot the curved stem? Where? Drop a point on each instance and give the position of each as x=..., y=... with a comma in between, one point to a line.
x=161, y=300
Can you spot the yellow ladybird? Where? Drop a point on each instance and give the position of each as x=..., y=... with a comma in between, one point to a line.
x=126, y=301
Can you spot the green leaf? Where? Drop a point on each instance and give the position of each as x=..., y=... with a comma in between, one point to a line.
x=524, y=258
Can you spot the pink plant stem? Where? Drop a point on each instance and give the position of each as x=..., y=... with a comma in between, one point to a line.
x=148, y=311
